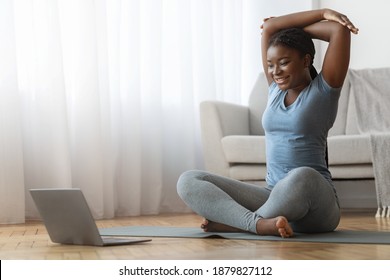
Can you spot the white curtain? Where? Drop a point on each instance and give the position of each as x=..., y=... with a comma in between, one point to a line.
x=103, y=95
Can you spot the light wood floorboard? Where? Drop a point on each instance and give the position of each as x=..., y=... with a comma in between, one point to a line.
x=31, y=241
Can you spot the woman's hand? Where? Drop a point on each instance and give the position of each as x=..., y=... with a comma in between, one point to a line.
x=332, y=15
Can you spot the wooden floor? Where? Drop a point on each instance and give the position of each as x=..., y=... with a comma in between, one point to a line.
x=30, y=241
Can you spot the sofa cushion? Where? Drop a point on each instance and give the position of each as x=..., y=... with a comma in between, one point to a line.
x=349, y=149
x=244, y=148
x=339, y=125
x=343, y=149
x=352, y=171
x=248, y=172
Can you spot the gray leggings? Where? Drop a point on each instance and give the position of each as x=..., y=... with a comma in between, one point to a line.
x=304, y=197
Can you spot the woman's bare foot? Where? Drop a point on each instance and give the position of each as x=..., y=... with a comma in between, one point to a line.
x=276, y=226
x=209, y=226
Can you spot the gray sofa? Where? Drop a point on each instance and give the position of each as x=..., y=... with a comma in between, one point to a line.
x=234, y=145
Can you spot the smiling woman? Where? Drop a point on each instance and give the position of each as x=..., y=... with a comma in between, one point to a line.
x=302, y=107
x=289, y=51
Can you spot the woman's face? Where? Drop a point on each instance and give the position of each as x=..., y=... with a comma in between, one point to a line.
x=287, y=67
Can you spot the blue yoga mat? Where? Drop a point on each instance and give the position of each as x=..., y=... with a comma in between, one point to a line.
x=338, y=236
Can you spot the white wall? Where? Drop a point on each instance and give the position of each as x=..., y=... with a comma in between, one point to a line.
x=371, y=47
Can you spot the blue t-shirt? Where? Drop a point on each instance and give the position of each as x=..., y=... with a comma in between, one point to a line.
x=296, y=135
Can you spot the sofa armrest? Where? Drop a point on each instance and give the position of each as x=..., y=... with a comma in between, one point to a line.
x=231, y=118
x=219, y=119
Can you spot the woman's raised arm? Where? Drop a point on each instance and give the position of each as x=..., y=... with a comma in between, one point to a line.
x=336, y=30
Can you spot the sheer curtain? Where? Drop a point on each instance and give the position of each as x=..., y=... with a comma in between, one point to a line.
x=103, y=95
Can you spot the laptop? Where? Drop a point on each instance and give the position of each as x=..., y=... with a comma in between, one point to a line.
x=68, y=219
